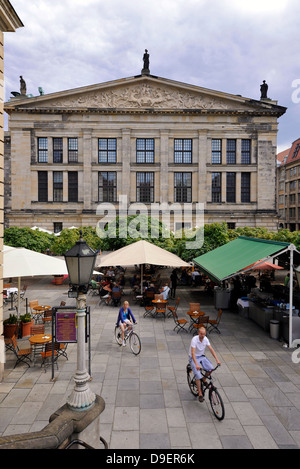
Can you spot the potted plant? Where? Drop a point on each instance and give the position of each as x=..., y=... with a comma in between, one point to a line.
x=27, y=322
x=10, y=326
x=58, y=279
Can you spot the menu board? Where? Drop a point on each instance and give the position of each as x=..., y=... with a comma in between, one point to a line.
x=66, y=327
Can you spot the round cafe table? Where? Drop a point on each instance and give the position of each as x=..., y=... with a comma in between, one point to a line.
x=160, y=306
x=38, y=341
x=38, y=312
x=194, y=315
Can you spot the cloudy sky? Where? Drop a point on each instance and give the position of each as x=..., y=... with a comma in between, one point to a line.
x=226, y=45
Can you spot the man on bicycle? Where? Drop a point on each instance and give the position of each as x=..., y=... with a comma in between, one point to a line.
x=124, y=321
x=197, y=358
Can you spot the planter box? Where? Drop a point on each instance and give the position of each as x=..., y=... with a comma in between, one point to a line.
x=58, y=280
x=26, y=326
x=10, y=330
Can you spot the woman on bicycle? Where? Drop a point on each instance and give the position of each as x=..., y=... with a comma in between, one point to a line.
x=124, y=321
x=197, y=358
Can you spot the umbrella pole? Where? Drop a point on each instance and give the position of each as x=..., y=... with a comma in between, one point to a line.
x=19, y=288
x=142, y=265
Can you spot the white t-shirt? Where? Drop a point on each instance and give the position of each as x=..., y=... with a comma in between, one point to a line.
x=198, y=345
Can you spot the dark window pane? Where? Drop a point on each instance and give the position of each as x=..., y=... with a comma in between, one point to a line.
x=145, y=187
x=216, y=151
x=107, y=150
x=230, y=187
x=57, y=186
x=245, y=187
x=216, y=187
x=73, y=150
x=57, y=150
x=231, y=151
x=43, y=186
x=246, y=152
x=183, y=187
x=73, y=186
x=183, y=151
x=145, y=150
x=43, y=150
x=107, y=186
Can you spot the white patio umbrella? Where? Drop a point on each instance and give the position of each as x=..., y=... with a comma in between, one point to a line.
x=21, y=262
x=141, y=252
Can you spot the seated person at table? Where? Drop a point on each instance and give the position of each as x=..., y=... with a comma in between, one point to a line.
x=110, y=272
x=165, y=291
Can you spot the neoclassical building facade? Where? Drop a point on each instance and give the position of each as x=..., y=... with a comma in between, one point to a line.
x=148, y=139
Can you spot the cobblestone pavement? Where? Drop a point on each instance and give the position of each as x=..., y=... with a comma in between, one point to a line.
x=148, y=402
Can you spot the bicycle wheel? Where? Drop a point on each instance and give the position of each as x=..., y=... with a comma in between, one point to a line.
x=191, y=381
x=216, y=403
x=135, y=343
x=118, y=335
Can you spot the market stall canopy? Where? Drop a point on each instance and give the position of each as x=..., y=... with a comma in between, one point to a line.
x=141, y=252
x=227, y=260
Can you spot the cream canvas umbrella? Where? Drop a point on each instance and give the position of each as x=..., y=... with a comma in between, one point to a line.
x=141, y=252
x=21, y=262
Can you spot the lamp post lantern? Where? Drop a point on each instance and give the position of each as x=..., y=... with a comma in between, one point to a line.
x=80, y=260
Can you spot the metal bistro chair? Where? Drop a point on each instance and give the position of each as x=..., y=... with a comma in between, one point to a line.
x=173, y=308
x=116, y=298
x=179, y=323
x=50, y=350
x=214, y=323
x=23, y=355
x=202, y=322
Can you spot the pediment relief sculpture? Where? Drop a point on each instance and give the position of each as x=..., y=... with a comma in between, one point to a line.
x=143, y=95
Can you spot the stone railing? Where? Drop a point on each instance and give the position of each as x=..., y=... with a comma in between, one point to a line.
x=65, y=425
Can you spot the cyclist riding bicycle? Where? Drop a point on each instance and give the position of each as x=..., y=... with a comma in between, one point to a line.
x=197, y=358
x=124, y=321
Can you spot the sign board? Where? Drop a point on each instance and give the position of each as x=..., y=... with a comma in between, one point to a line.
x=66, y=327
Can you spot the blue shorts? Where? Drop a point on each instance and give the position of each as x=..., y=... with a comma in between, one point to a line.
x=204, y=362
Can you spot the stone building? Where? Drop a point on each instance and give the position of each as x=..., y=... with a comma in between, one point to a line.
x=149, y=139
x=9, y=22
x=288, y=187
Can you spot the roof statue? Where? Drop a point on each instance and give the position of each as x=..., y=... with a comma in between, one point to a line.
x=264, y=90
x=146, y=60
x=22, y=86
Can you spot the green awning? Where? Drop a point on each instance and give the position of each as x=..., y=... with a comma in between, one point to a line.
x=225, y=261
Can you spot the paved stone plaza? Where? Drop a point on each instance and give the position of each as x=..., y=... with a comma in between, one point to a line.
x=148, y=402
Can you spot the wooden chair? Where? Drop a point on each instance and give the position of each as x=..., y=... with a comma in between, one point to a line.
x=23, y=292
x=158, y=296
x=202, y=322
x=37, y=329
x=23, y=355
x=179, y=323
x=50, y=349
x=62, y=350
x=194, y=307
x=148, y=297
x=47, y=319
x=116, y=298
x=33, y=304
x=214, y=323
x=173, y=308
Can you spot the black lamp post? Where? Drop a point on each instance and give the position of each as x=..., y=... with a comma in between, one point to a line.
x=80, y=260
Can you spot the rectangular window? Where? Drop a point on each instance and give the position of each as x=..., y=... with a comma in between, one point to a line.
x=245, y=187
x=246, y=152
x=107, y=150
x=57, y=227
x=145, y=150
x=216, y=187
x=231, y=151
x=72, y=150
x=230, y=187
x=183, y=150
x=107, y=186
x=57, y=150
x=145, y=187
x=72, y=186
x=42, y=150
x=216, y=151
x=183, y=187
x=57, y=186
x=42, y=186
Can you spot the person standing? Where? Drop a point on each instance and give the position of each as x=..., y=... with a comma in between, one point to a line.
x=174, y=282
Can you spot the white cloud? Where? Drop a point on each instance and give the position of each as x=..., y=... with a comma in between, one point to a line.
x=228, y=45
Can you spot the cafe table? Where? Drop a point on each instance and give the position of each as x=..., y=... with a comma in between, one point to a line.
x=38, y=341
x=160, y=306
x=194, y=315
x=38, y=312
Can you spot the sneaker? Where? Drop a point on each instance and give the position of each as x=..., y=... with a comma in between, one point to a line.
x=123, y=343
x=201, y=399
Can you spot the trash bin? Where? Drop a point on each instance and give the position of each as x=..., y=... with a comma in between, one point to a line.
x=274, y=329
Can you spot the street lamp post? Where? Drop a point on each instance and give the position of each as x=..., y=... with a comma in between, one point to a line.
x=80, y=260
